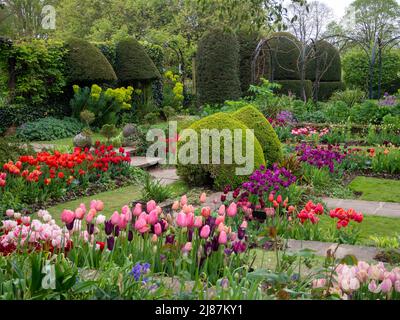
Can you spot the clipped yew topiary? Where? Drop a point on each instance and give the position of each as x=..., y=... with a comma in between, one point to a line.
x=295, y=87
x=132, y=64
x=217, y=175
x=247, y=45
x=263, y=131
x=324, y=63
x=327, y=89
x=217, y=65
x=85, y=64
x=283, y=55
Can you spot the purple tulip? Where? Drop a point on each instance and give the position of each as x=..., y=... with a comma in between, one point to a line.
x=110, y=243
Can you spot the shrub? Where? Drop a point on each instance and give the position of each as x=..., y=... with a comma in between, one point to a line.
x=11, y=149
x=337, y=112
x=247, y=45
x=49, y=129
x=294, y=87
x=350, y=97
x=356, y=71
x=85, y=64
x=326, y=89
x=368, y=112
x=265, y=134
x=132, y=63
x=217, y=175
x=38, y=71
x=283, y=54
x=325, y=64
x=106, y=105
x=217, y=68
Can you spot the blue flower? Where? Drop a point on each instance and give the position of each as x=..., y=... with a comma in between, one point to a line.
x=139, y=270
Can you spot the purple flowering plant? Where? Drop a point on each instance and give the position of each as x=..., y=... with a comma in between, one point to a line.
x=320, y=156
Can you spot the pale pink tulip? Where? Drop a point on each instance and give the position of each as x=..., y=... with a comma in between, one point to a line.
x=154, y=238
x=150, y=206
x=219, y=219
x=79, y=213
x=175, y=206
x=198, y=222
x=244, y=224
x=26, y=220
x=10, y=213
x=386, y=285
x=152, y=217
x=187, y=247
x=157, y=229
x=232, y=210
x=115, y=218
x=205, y=231
x=372, y=287
x=137, y=210
x=181, y=219
x=221, y=210
x=203, y=197
x=183, y=200
x=140, y=223
x=100, y=219
x=222, y=239
x=190, y=219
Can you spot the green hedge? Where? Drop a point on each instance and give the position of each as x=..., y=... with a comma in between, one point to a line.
x=284, y=53
x=218, y=175
x=263, y=131
x=132, y=64
x=324, y=63
x=295, y=87
x=85, y=64
x=327, y=89
x=217, y=68
x=247, y=46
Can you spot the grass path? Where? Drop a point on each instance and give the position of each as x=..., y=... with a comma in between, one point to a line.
x=374, y=189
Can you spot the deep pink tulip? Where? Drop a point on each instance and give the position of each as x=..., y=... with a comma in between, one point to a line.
x=137, y=210
x=150, y=206
x=67, y=216
x=79, y=213
x=152, y=217
x=140, y=223
x=205, y=231
x=198, y=222
x=157, y=229
x=205, y=212
x=222, y=239
x=232, y=210
x=221, y=210
x=181, y=219
x=115, y=218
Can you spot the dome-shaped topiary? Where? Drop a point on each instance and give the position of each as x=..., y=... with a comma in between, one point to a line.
x=86, y=64
x=217, y=65
x=132, y=63
x=283, y=52
x=218, y=175
x=324, y=63
x=263, y=131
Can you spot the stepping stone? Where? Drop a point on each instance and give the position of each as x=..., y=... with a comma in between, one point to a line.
x=144, y=162
x=38, y=147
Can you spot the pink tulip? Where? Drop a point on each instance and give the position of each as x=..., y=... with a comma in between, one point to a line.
x=222, y=239
x=157, y=229
x=115, y=218
x=203, y=197
x=205, y=212
x=205, y=231
x=140, y=223
x=159, y=210
x=232, y=236
x=10, y=213
x=26, y=220
x=190, y=219
x=145, y=229
x=154, y=238
x=99, y=205
x=186, y=209
x=123, y=222
x=219, y=219
x=93, y=204
x=181, y=219
x=232, y=210
x=152, y=217
x=79, y=213
x=244, y=224
x=137, y=210
x=150, y=206
x=83, y=207
x=386, y=286
x=67, y=216
x=183, y=200
x=221, y=210
x=90, y=216
x=198, y=222
x=187, y=247
x=100, y=219
x=372, y=287
x=397, y=286
x=319, y=283
x=175, y=206
x=125, y=210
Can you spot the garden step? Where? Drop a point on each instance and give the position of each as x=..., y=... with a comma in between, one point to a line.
x=165, y=176
x=383, y=209
x=144, y=162
x=360, y=252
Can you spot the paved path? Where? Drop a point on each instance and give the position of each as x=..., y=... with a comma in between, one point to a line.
x=383, y=209
x=166, y=176
x=360, y=252
x=144, y=162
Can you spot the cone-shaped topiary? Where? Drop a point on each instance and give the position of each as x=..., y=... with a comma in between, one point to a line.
x=132, y=63
x=217, y=68
x=283, y=55
x=85, y=64
x=324, y=63
x=247, y=45
x=263, y=131
x=218, y=175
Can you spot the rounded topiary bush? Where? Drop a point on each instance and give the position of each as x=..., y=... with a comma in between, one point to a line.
x=132, y=64
x=324, y=64
x=217, y=65
x=247, y=45
x=327, y=89
x=282, y=59
x=217, y=175
x=85, y=64
x=263, y=131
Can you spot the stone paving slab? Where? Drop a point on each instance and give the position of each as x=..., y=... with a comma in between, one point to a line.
x=383, y=209
x=165, y=176
x=360, y=252
x=144, y=162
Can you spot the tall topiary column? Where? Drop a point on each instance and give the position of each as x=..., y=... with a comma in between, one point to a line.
x=217, y=65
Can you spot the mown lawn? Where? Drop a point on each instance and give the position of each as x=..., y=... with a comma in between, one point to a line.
x=67, y=142
x=374, y=189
